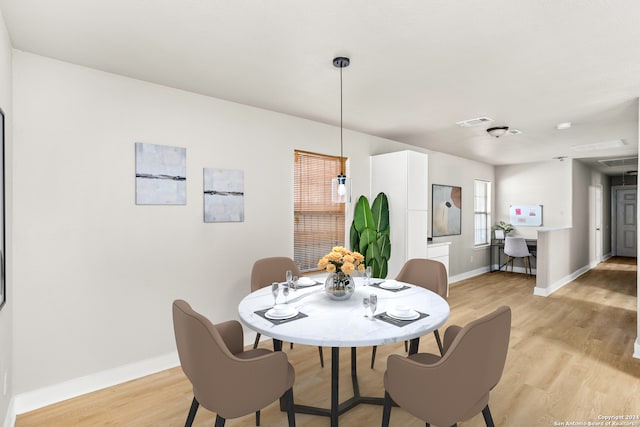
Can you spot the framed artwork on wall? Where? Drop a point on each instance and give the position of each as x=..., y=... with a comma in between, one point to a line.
x=161, y=175
x=446, y=205
x=3, y=242
x=223, y=195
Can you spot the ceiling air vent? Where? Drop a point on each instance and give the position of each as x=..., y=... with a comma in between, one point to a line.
x=474, y=122
x=626, y=161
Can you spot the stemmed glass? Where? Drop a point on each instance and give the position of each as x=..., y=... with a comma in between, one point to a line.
x=294, y=283
x=373, y=304
x=285, y=292
x=367, y=275
x=275, y=289
x=365, y=303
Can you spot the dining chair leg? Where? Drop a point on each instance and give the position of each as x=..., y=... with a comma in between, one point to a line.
x=321, y=357
x=373, y=355
x=291, y=414
x=386, y=411
x=255, y=343
x=257, y=418
x=439, y=341
x=219, y=421
x=486, y=413
x=192, y=412
x=406, y=346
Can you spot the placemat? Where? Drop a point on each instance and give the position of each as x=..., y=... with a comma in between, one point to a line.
x=377, y=285
x=262, y=313
x=386, y=318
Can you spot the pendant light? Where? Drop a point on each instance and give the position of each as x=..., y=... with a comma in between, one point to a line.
x=340, y=186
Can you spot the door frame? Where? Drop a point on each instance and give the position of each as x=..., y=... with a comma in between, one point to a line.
x=614, y=216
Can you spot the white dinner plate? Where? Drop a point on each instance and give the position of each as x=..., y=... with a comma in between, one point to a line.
x=391, y=284
x=304, y=283
x=411, y=316
x=270, y=314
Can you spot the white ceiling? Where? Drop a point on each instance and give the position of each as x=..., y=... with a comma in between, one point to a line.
x=417, y=66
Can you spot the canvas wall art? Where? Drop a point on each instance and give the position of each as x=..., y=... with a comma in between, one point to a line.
x=446, y=202
x=223, y=195
x=161, y=175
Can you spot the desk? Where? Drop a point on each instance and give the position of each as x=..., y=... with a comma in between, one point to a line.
x=339, y=324
x=497, y=245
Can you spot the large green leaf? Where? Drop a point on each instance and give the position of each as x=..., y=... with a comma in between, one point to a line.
x=362, y=217
x=354, y=238
x=384, y=245
x=366, y=239
x=380, y=212
x=383, y=270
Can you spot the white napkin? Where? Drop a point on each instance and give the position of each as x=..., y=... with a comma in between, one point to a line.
x=306, y=281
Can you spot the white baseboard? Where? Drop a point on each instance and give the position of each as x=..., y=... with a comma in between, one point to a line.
x=636, y=348
x=468, y=274
x=31, y=400
x=10, y=418
x=545, y=292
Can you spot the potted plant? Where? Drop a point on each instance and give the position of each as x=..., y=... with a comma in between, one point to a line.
x=370, y=233
x=340, y=263
x=504, y=226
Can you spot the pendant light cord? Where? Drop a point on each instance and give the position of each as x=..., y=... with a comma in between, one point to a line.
x=341, y=161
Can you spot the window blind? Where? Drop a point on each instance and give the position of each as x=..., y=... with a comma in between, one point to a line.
x=318, y=222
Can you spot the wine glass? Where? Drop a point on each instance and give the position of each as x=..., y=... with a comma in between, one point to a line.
x=367, y=275
x=373, y=304
x=294, y=283
x=285, y=292
x=365, y=303
x=288, y=276
x=275, y=289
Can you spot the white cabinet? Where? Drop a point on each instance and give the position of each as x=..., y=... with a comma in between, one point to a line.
x=403, y=176
x=440, y=252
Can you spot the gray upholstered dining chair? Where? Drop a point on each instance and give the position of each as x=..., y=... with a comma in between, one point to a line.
x=516, y=247
x=265, y=271
x=428, y=274
x=455, y=387
x=226, y=379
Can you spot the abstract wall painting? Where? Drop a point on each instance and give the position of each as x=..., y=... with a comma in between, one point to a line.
x=447, y=210
x=161, y=175
x=223, y=195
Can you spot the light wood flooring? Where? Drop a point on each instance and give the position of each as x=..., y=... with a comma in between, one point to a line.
x=569, y=360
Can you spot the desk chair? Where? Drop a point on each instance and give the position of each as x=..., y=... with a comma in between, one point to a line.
x=516, y=247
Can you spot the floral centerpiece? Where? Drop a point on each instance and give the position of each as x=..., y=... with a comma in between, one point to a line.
x=340, y=263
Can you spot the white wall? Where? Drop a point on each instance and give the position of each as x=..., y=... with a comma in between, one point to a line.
x=95, y=274
x=6, y=314
x=542, y=183
x=445, y=169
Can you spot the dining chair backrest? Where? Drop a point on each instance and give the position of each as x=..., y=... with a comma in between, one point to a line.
x=456, y=386
x=265, y=271
x=426, y=273
x=516, y=247
x=223, y=382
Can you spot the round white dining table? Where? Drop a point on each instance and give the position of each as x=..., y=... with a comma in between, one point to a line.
x=336, y=324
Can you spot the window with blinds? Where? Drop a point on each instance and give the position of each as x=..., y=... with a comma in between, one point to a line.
x=318, y=223
x=482, y=212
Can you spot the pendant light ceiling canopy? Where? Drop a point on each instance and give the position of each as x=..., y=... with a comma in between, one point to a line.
x=340, y=186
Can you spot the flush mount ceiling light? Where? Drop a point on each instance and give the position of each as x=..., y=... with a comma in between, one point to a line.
x=563, y=126
x=340, y=186
x=616, y=143
x=474, y=122
x=498, y=131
